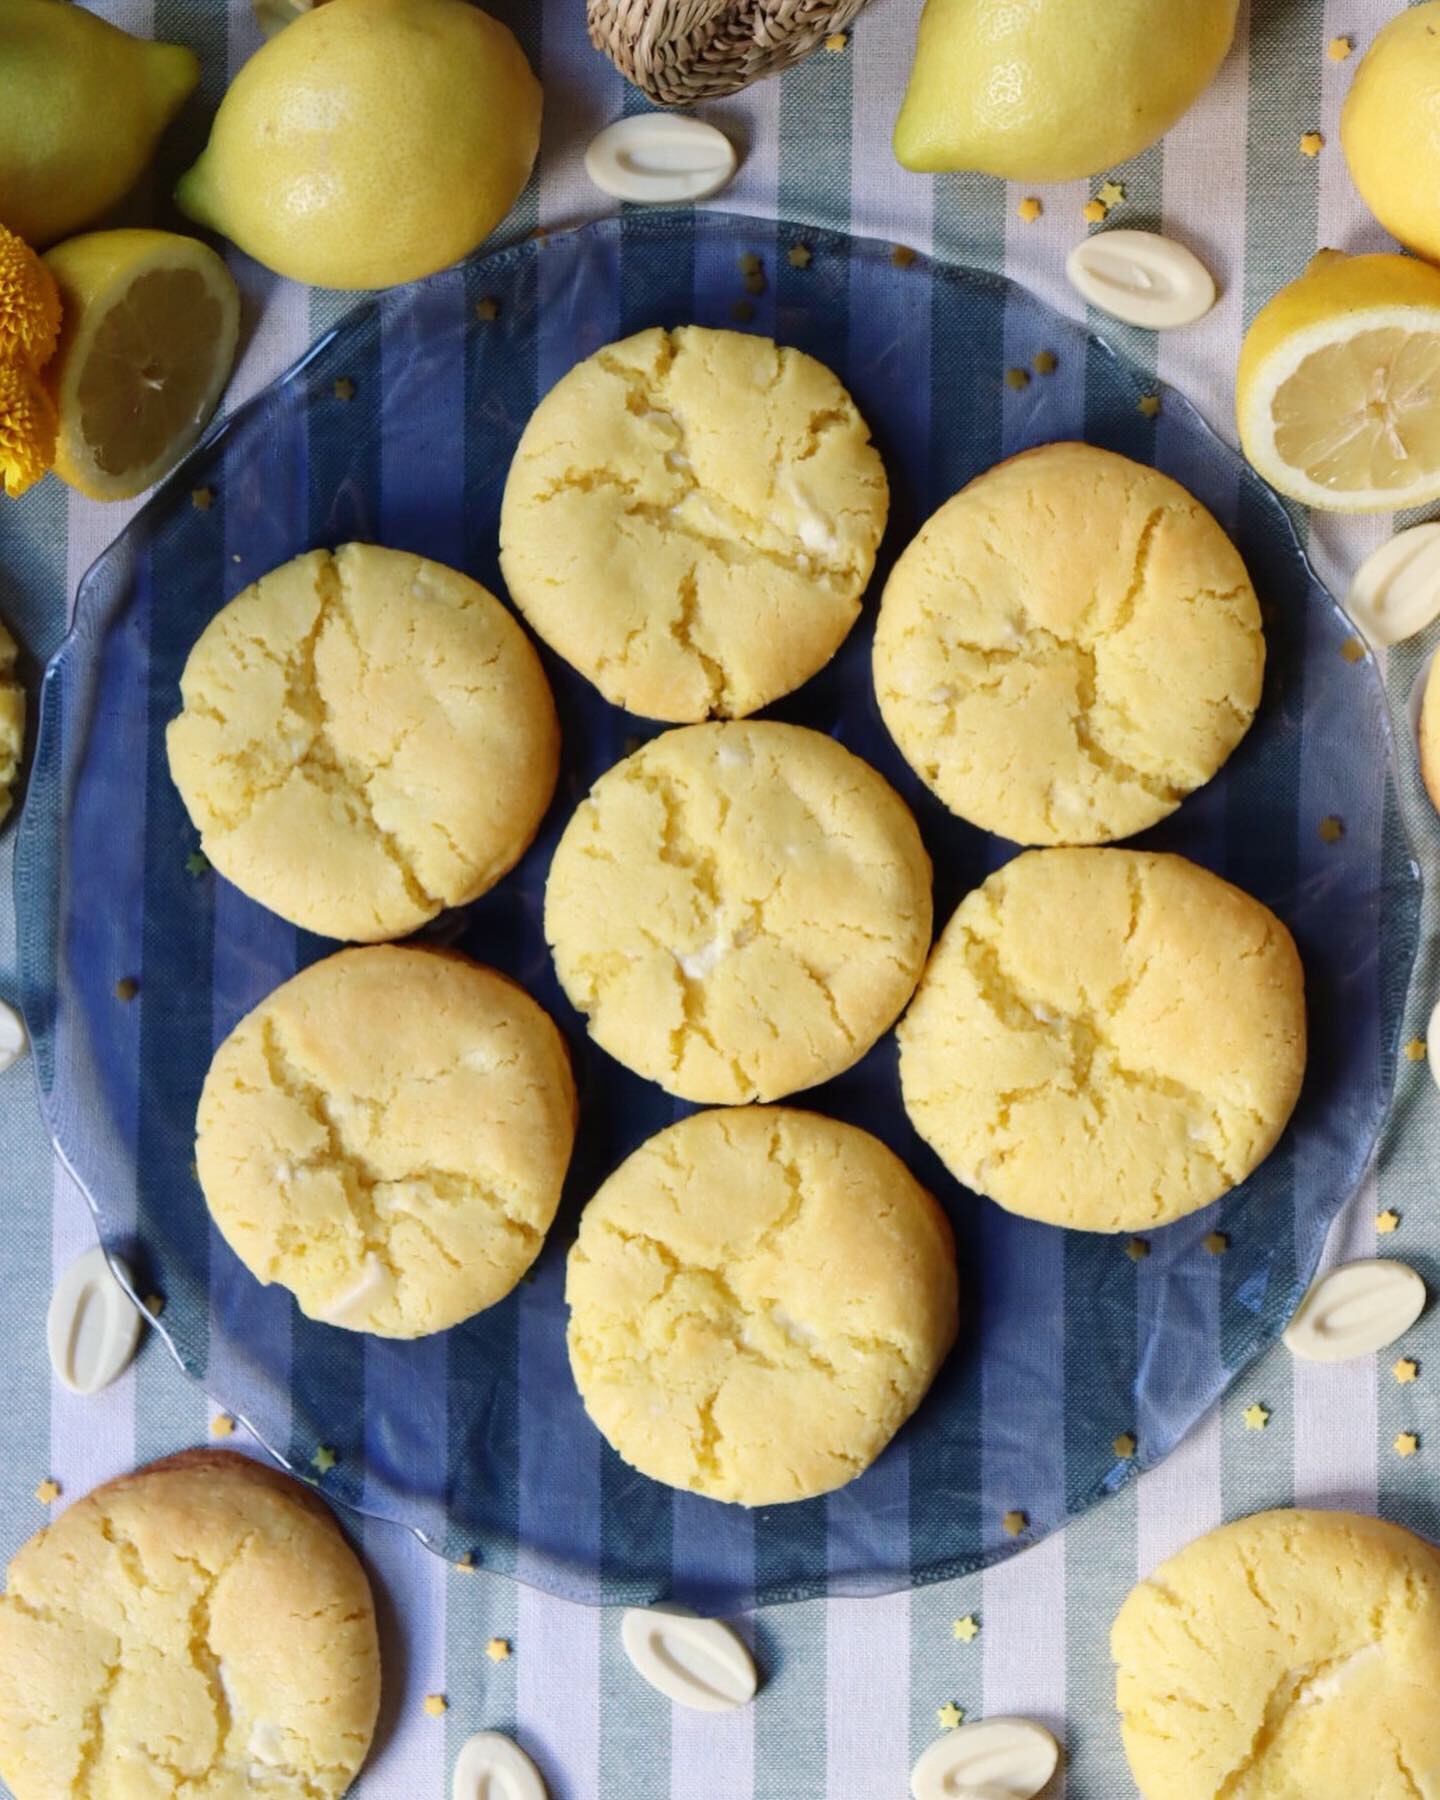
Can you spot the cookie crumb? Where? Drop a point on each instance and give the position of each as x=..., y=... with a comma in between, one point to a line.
x=1311, y=143
x=344, y=388
x=1015, y=1522
x=324, y=1459
x=498, y=1650
x=1331, y=829
x=1353, y=649
x=1138, y=1249
x=126, y=988
x=1124, y=1446
x=1112, y=194
x=1405, y=1370
x=1044, y=362
x=1216, y=1242
x=1339, y=48
x=951, y=1716
x=436, y=1704
x=48, y=1492
x=837, y=41
x=1387, y=1221
x=1029, y=209
x=1019, y=379
x=1406, y=1443
x=1257, y=1417
x=1150, y=405
x=155, y=1305
x=1415, y=1050
x=487, y=309
x=201, y=498
x=222, y=1426
x=798, y=256
x=966, y=1629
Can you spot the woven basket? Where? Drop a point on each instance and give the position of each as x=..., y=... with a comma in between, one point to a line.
x=680, y=51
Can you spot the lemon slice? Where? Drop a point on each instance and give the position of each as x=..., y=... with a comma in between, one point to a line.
x=1338, y=390
x=150, y=323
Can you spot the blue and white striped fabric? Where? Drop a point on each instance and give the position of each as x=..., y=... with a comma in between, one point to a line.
x=851, y=1685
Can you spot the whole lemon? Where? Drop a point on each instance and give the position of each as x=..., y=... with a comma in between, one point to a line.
x=371, y=142
x=1390, y=128
x=81, y=108
x=1051, y=90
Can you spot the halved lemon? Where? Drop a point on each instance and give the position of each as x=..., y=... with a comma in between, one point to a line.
x=146, y=346
x=1338, y=390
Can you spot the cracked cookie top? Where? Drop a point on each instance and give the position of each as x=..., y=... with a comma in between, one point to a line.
x=199, y=1627
x=386, y=1135
x=367, y=738
x=740, y=910
x=691, y=519
x=1068, y=648
x=759, y=1298
x=12, y=720
x=1105, y=1039
x=1287, y=1656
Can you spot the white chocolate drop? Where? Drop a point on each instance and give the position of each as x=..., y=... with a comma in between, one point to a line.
x=1142, y=278
x=1355, y=1310
x=660, y=159
x=491, y=1766
x=1432, y=1044
x=13, y=1041
x=993, y=1759
x=1396, y=590
x=92, y=1327
x=692, y=1661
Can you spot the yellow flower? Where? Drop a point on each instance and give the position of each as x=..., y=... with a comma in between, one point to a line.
x=27, y=428
x=29, y=304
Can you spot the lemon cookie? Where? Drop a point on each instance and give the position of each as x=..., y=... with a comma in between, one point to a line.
x=200, y=1628
x=367, y=738
x=691, y=519
x=1105, y=1039
x=12, y=721
x=1429, y=733
x=740, y=910
x=1069, y=647
x=759, y=1298
x=1288, y=1656
x=386, y=1135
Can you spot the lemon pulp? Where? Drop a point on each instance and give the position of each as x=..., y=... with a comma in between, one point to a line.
x=1362, y=414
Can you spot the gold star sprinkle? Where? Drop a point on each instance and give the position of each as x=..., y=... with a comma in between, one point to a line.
x=1406, y=1444
x=1150, y=405
x=836, y=42
x=344, y=388
x=750, y=263
x=465, y=1562
x=1353, y=649
x=1331, y=829
x=1415, y=1050
x=1124, y=1446
x=155, y=1305
x=1111, y=194
x=755, y=284
x=48, y=1492
x=126, y=988
x=436, y=1704
x=1138, y=1249
x=1019, y=379
x=1216, y=1242
x=1387, y=1221
x=324, y=1459
x=1256, y=1417
x=1029, y=209
x=1311, y=144
x=487, y=310
x=1094, y=212
x=1339, y=48
x=951, y=1716
x=1405, y=1370
x=498, y=1650
x=200, y=498
x=902, y=256
x=966, y=1629
x=222, y=1426
x=1015, y=1523
x=1044, y=362
x=742, y=312
x=798, y=256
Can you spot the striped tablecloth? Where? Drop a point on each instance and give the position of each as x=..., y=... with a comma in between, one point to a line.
x=851, y=1687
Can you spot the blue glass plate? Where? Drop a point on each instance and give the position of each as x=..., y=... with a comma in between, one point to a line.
x=476, y=1438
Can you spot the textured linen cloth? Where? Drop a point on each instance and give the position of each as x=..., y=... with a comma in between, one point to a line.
x=850, y=1687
